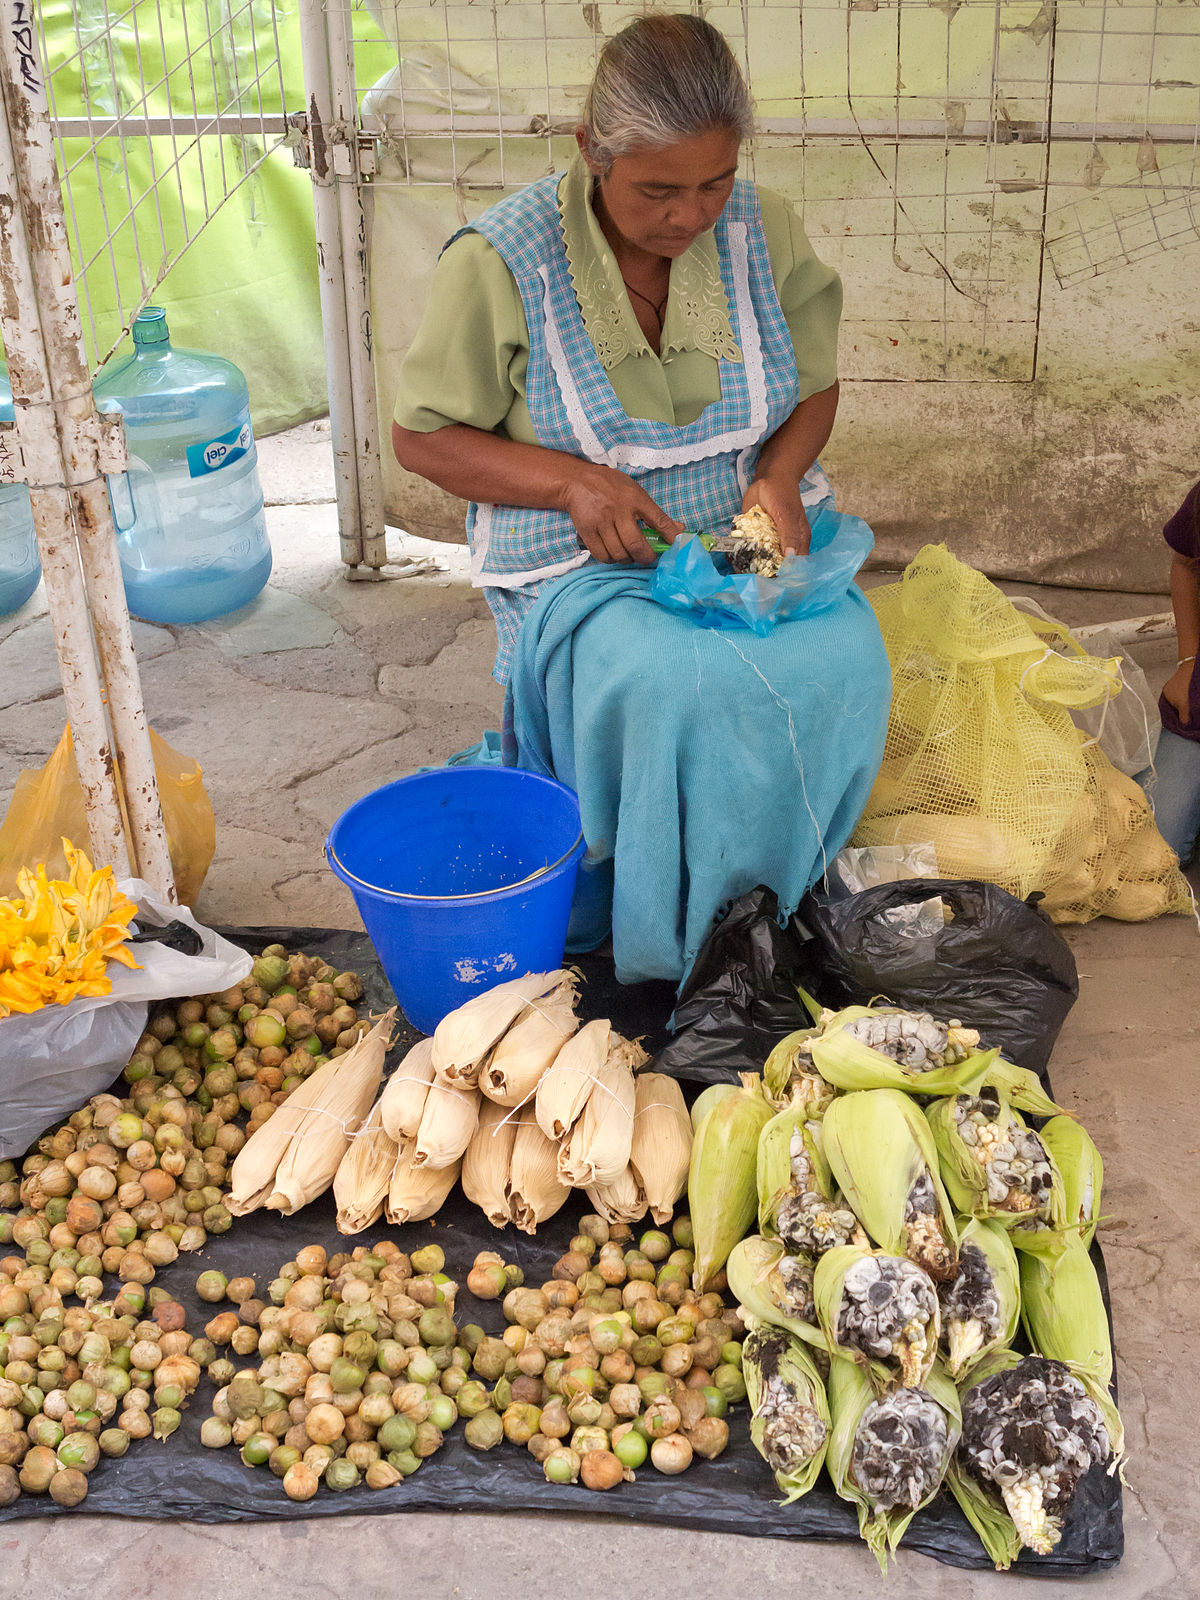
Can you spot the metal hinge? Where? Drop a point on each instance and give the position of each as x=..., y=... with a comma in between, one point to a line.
x=352, y=153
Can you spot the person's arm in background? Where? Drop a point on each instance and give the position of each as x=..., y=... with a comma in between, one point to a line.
x=1185, y=600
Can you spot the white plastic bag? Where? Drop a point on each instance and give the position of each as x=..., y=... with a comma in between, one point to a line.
x=54, y=1059
x=862, y=867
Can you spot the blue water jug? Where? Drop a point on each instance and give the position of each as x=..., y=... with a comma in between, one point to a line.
x=20, y=568
x=191, y=530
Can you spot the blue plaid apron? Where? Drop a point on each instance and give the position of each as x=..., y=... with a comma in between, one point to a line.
x=697, y=473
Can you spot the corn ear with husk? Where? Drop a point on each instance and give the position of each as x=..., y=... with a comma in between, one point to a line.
x=1030, y=1429
x=448, y=1124
x=707, y=1099
x=790, y=1077
x=879, y=1311
x=294, y=1156
x=789, y=1412
x=723, y=1176
x=882, y=1155
x=994, y=1166
x=661, y=1151
x=774, y=1287
x=889, y=1454
x=517, y=1062
x=563, y=1089
x=623, y=1200
x=364, y=1175
x=596, y=1151
x=981, y=1305
x=406, y=1091
x=1081, y=1169
x=535, y=1192
x=789, y=1148
x=1063, y=1311
x=416, y=1193
x=462, y=1040
x=884, y=1047
x=487, y=1162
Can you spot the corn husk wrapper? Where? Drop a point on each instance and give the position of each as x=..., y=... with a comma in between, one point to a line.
x=596, y=1151
x=416, y=1193
x=982, y=1506
x=774, y=1163
x=749, y=1268
x=462, y=1040
x=786, y=1359
x=404, y=1095
x=964, y=1344
x=535, y=1192
x=877, y=1144
x=850, y=1394
x=517, y=1062
x=662, y=1142
x=791, y=1079
x=621, y=1201
x=486, y=1164
x=448, y=1124
x=1081, y=1169
x=563, y=1090
x=361, y=1184
x=1063, y=1310
x=294, y=1156
x=723, y=1177
x=830, y=1275
x=707, y=1099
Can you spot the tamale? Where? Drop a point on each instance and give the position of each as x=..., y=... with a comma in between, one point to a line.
x=361, y=1184
x=598, y=1146
x=405, y=1092
x=488, y=1160
x=563, y=1091
x=515, y=1066
x=462, y=1040
x=293, y=1157
x=417, y=1192
x=447, y=1123
x=535, y=1192
x=662, y=1142
x=623, y=1200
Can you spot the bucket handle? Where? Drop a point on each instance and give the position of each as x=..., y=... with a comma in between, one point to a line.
x=343, y=871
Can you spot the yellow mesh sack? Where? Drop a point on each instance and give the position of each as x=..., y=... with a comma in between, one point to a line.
x=983, y=760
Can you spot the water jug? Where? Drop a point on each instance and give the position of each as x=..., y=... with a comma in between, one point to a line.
x=20, y=568
x=191, y=530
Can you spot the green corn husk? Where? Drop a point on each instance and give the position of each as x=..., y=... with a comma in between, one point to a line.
x=707, y=1099
x=722, y=1178
x=878, y=1144
x=1021, y=1088
x=1082, y=1171
x=966, y=1344
x=850, y=1394
x=749, y=1268
x=1063, y=1312
x=985, y=1510
x=791, y=1079
x=966, y=1178
x=827, y=1293
x=774, y=1163
x=770, y=1360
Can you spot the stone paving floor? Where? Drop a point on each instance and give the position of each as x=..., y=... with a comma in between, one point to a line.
x=321, y=691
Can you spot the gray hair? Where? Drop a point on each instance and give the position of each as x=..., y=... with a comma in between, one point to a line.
x=660, y=80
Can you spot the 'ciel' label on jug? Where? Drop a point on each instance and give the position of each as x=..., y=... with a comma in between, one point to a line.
x=221, y=452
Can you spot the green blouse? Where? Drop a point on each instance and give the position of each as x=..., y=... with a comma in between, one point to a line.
x=477, y=375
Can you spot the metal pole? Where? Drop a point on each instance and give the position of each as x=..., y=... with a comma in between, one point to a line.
x=331, y=277
x=56, y=414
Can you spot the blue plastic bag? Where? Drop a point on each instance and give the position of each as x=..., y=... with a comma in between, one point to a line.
x=689, y=579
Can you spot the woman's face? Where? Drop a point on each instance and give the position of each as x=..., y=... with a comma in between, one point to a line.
x=662, y=200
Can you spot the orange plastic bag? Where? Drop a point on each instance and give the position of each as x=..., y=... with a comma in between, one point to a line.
x=47, y=805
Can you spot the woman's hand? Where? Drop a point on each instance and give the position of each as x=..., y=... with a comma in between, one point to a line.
x=606, y=507
x=1176, y=691
x=779, y=497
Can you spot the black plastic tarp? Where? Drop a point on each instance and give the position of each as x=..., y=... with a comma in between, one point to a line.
x=179, y=1479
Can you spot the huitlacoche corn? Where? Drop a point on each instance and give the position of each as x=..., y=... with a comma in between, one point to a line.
x=792, y=1431
x=900, y=1450
x=791, y=1287
x=971, y=1312
x=889, y=1306
x=805, y=1219
x=1032, y=1433
x=927, y=1244
x=914, y=1039
x=1018, y=1171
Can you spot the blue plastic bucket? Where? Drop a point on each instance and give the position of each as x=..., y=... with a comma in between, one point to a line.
x=463, y=877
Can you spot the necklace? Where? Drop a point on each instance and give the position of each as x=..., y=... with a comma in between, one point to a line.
x=658, y=309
